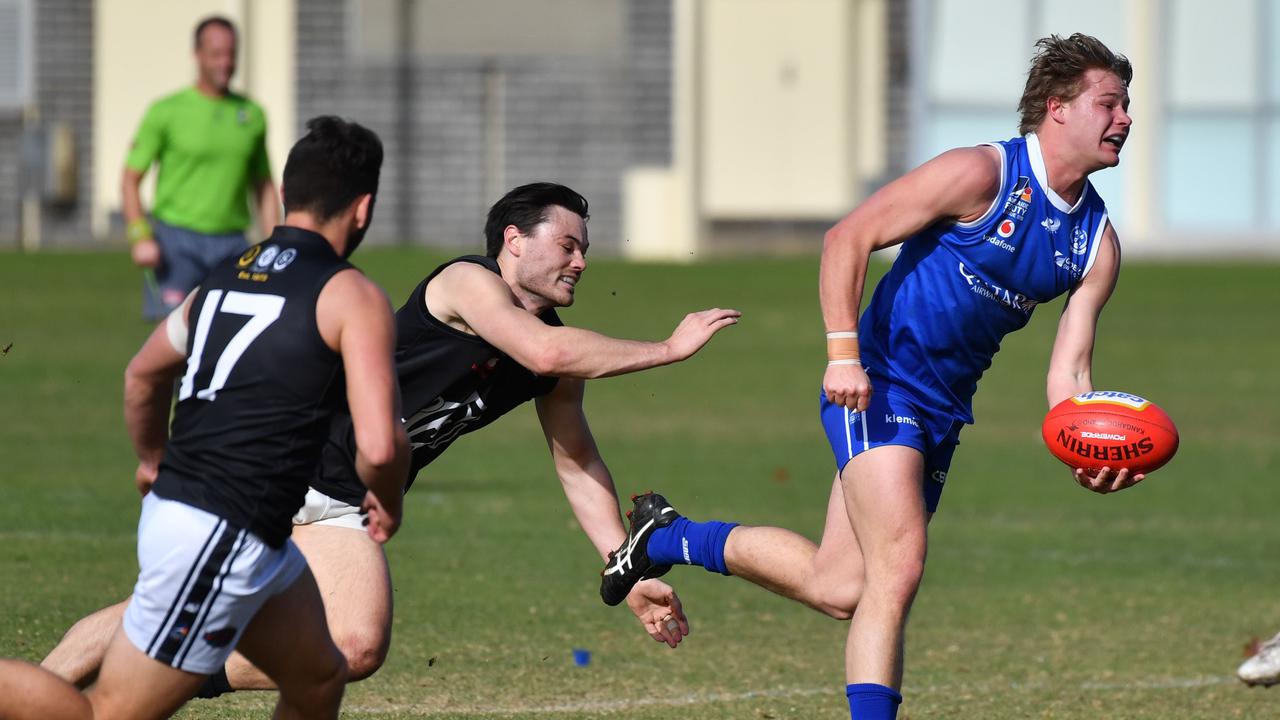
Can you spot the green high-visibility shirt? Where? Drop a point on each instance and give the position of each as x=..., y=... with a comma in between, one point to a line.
x=211, y=151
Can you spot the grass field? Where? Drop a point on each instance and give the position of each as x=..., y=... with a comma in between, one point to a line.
x=1041, y=600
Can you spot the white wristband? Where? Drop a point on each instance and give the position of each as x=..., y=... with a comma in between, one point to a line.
x=843, y=335
x=853, y=361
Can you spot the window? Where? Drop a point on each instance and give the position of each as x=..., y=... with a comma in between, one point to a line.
x=1222, y=134
x=977, y=59
x=15, y=54
x=487, y=27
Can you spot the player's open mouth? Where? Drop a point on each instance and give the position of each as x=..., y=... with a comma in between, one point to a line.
x=567, y=280
x=1116, y=141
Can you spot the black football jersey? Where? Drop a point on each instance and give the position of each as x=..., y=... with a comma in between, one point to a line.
x=260, y=387
x=451, y=383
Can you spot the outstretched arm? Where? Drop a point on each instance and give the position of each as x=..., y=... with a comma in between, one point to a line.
x=589, y=488
x=472, y=296
x=1071, y=362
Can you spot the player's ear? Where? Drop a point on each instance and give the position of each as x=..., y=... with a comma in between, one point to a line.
x=364, y=211
x=1055, y=109
x=513, y=240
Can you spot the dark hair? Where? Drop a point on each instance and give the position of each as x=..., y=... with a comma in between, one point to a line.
x=526, y=208
x=1058, y=69
x=213, y=20
x=332, y=165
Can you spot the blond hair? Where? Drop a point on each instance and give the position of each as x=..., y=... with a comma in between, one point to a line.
x=1058, y=69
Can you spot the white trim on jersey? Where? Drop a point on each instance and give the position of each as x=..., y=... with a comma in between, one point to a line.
x=848, y=438
x=1093, y=248
x=1042, y=176
x=997, y=201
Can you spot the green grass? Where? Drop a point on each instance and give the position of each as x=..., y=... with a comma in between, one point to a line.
x=1041, y=600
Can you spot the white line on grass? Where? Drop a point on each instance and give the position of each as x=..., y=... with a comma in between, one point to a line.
x=709, y=698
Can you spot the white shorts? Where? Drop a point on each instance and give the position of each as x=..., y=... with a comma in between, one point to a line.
x=201, y=581
x=320, y=509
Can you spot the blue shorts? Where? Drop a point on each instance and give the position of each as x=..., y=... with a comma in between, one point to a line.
x=186, y=257
x=894, y=419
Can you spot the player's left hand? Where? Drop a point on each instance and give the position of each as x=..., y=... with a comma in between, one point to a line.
x=1107, y=480
x=658, y=609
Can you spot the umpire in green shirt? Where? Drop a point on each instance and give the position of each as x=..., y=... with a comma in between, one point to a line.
x=210, y=145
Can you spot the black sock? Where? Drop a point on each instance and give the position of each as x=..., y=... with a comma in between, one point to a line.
x=215, y=685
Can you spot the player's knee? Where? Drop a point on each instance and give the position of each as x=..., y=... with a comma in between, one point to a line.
x=364, y=653
x=322, y=690
x=901, y=580
x=839, y=600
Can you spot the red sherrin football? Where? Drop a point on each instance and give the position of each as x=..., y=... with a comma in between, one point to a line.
x=1105, y=428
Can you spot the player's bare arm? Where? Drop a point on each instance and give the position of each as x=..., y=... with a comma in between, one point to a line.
x=958, y=185
x=588, y=486
x=1071, y=361
x=476, y=300
x=148, y=391
x=355, y=320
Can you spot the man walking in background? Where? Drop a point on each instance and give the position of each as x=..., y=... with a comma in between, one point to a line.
x=210, y=146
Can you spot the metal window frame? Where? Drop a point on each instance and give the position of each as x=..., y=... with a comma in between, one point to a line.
x=25, y=93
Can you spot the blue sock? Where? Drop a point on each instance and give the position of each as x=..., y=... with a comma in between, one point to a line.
x=685, y=542
x=869, y=701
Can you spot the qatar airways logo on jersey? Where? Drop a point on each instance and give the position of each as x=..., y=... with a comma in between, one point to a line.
x=991, y=291
x=442, y=421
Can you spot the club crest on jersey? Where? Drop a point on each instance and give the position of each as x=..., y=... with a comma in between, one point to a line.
x=284, y=259
x=1079, y=240
x=266, y=257
x=1019, y=199
x=248, y=256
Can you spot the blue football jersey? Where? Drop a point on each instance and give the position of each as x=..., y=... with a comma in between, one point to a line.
x=937, y=318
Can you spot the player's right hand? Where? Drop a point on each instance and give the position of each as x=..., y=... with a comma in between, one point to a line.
x=847, y=385
x=145, y=476
x=697, y=328
x=145, y=253
x=381, y=520
x=658, y=609
x=1107, y=480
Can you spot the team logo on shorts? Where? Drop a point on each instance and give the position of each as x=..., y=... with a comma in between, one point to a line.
x=221, y=637
x=939, y=476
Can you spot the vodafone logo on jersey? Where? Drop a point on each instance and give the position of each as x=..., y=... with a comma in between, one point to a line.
x=1005, y=228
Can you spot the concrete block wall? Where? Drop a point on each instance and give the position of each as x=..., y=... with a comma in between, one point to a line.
x=577, y=120
x=63, y=80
